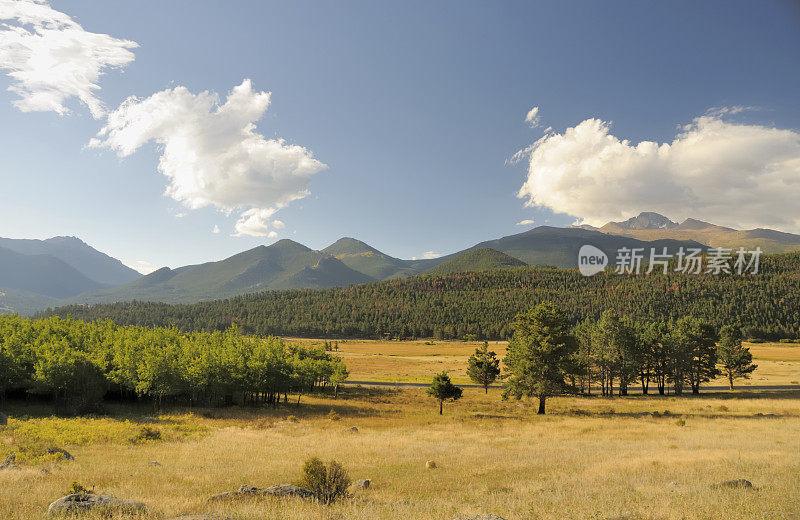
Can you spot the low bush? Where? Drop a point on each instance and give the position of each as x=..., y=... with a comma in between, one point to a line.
x=329, y=482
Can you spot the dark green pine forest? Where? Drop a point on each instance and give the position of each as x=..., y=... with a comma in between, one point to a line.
x=483, y=304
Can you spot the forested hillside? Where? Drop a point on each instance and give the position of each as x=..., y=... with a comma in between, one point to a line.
x=485, y=303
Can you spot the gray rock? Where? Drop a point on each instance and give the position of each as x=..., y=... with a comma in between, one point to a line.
x=60, y=451
x=9, y=463
x=488, y=516
x=3, y=419
x=280, y=490
x=201, y=517
x=738, y=483
x=86, y=502
x=431, y=464
x=352, y=429
x=362, y=483
x=154, y=463
x=288, y=490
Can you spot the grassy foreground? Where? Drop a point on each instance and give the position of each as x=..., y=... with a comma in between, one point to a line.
x=589, y=458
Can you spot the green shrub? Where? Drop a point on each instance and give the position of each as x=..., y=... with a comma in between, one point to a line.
x=329, y=483
x=146, y=433
x=79, y=489
x=680, y=422
x=333, y=416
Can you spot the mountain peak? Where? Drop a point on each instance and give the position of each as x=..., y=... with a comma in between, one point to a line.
x=286, y=243
x=647, y=220
x=349, y=246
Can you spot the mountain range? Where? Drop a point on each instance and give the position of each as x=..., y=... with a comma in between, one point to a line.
x=36, y=274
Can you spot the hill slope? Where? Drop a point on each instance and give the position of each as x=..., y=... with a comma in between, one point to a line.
x=367, y=260
x=546, y=245
x=770, y=241
x=87, y=260
x=485, y=303
x=283, y=265
x=478, y=259
x=41, y=274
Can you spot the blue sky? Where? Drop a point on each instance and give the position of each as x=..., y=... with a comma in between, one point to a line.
x=415, y=109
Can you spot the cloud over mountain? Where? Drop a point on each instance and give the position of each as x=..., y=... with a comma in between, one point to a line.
x=211, y=153
x=735, y=174
x=51, y=58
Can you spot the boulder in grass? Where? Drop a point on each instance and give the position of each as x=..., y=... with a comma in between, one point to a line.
x=200, y=517
x=738, y=483
x=279, y=490
x=87, y=502
x=288, y=490
x=487, y=516
x=362, y=483
x=8, y=464
x=430, y=464
x=60, y=451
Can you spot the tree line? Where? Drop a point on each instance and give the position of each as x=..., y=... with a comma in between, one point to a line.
x=77, y=363
x=482, y=304
x=547, y=355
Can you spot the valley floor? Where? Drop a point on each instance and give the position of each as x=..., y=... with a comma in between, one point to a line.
x=589, y=458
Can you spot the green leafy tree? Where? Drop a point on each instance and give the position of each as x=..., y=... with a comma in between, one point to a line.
x=736, y=359
x=76, y=383
x=541, y=355
x=338, y=376
x=442, y=389
x=483, y=367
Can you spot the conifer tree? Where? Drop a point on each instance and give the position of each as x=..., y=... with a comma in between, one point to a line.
x=736, y=360
x=541, y=355
x=484, y=367
x=442, y=389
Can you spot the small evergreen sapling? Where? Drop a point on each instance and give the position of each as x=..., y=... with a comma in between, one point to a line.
x=484, y=367
x=442, y=389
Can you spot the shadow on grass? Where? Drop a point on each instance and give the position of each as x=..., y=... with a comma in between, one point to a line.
x=144, y=412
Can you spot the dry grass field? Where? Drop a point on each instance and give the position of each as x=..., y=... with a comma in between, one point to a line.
x=418, y=361
x=589, y=458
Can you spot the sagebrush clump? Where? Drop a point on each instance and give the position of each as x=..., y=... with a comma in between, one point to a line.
x=329, y=482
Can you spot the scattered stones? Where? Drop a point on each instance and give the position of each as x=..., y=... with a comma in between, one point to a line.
x=60, y=451
x=3, y=419
x=280, y=490
x=488, y=516
x=738, y=483
x=402, y=502
x=86, y=502
x=431, y=464
x=362, y=483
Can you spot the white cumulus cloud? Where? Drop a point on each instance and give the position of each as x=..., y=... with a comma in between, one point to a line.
x=51, y=58
x=532, y=117
x=431, y=254
x=212, y=154
x=729, y=173
x=526, y=222
x=215, y=229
